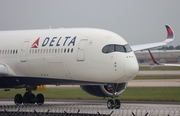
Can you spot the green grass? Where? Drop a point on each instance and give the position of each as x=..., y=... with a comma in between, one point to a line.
x=155, y=77
x=52, y=93
x=131, y=93
x=151, y=94
x=160, y=68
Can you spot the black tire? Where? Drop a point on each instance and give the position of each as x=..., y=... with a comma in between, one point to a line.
x=32, y=98
x=110, y=104
x=18, y=99
x=26, y=98
x=117, y=104
x=40, y=99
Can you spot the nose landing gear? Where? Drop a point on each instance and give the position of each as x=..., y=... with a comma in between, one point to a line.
x=114, y=103
x=111, y=103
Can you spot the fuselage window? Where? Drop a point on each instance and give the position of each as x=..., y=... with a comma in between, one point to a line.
x=58, y=50
x=68, y=50
x=65, y=50
x=49, y=50
x=52, y=50
x=0, y=51
x=30, y=51
x=55, y=50
x=16, y=51
x=13, y=51
x=71, y=50
x=5, y=51
x=41, y=51
x=62, y=50
x=46, y=51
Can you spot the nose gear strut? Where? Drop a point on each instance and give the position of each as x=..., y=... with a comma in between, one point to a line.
x=114, y=103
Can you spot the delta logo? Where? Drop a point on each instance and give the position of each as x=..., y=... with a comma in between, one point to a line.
x=35, y=44
x=55, y=41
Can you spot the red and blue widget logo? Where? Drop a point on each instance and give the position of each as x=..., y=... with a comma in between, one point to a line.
x=35, y=44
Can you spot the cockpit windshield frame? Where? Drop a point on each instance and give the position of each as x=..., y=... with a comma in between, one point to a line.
x=116, y=48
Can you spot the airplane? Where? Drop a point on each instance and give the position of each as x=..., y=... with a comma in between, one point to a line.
x=98, y=60
x=157, y=63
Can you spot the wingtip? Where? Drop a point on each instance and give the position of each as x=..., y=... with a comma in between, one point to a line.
x=170, y=33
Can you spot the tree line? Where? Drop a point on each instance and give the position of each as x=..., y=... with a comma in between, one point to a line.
x=169, y=48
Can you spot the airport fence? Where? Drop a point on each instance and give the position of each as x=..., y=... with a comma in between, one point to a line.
x=85, y=110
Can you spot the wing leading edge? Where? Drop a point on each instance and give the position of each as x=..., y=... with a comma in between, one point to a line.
x=170, y=38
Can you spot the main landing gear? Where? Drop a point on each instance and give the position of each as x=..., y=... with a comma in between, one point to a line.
x=114, y=103
x=29, y=98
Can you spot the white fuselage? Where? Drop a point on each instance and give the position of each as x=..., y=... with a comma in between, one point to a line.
x=72, y=54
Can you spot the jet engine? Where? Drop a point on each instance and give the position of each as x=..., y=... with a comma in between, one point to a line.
x=104, y=90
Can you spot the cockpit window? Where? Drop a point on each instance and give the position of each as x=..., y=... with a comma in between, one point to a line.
x=111, y=48
x=128, y=49
x=116, y=48
x=120, y=48
x=105, y=49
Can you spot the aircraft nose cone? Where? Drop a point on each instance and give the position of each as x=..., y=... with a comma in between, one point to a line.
x=131, y=66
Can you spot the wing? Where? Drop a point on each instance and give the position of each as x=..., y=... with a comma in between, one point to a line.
x=170, y=38
x=157, y=63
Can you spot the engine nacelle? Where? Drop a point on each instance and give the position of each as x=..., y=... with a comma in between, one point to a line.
x=104, y=90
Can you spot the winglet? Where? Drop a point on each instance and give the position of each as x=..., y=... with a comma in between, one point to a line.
x=170, y=34
x=153, y=59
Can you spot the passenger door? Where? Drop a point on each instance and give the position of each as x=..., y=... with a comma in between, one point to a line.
x=81, y=50
x=24, y=51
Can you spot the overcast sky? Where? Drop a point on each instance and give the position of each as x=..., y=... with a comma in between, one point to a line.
x=137, y=21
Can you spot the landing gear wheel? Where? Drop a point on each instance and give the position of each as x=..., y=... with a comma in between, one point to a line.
x=18, y=99
x=117, y=104
x=40, y=99
x=29, y=98
x=25, y=98
x=110, y=104
x=113, y=104
x=32, y=98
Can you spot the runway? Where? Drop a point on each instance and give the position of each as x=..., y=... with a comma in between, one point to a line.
x=92, y=107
